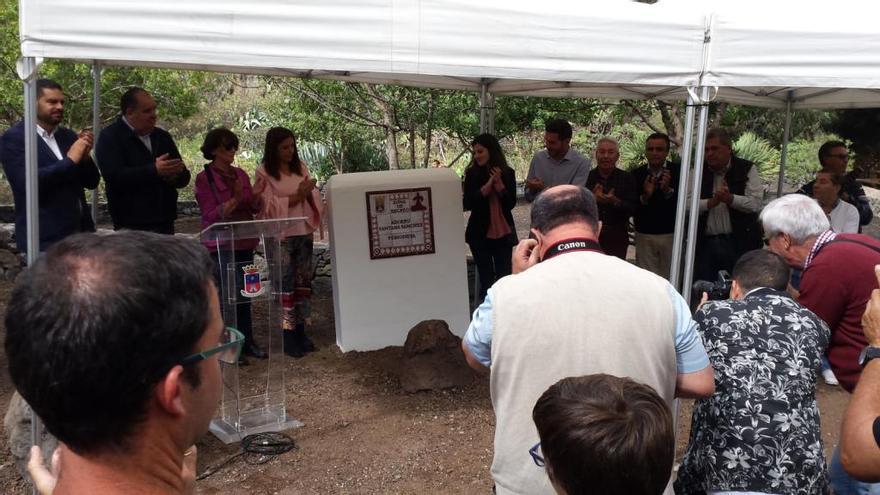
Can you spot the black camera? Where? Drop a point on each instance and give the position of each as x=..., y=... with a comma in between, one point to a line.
x=718, y=290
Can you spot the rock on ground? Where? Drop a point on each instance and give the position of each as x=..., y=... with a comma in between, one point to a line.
x=18, y=429
x=432, y=359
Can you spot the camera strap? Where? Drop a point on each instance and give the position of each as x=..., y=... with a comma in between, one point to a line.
x=573, y=244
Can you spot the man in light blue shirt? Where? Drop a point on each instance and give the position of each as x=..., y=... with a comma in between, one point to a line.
x=571, y=310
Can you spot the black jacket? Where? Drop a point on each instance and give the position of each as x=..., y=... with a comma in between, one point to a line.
x=136, y=195
x=658, y=216
x=624, y=188
x=478, y=223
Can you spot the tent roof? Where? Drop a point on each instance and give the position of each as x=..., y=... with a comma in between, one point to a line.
x=616, y=51
x=820, y=56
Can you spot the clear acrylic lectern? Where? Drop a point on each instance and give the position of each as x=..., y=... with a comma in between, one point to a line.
x=259, y=404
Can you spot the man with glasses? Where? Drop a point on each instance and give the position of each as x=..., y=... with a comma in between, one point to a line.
x=116, y=341
x=141, y=166
x=568, y=310
x=833, y=156
x=655, y=214
x=838, y=277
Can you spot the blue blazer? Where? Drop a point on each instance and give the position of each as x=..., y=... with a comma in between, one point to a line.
x=63, y=208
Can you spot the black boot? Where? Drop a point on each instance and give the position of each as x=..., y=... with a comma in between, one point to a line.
x=292, y=345
x=253, y=350
x=302, y=339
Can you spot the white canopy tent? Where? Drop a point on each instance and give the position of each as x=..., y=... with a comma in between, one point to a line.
x=620, y=50
x=675, y=49
x=783, y=54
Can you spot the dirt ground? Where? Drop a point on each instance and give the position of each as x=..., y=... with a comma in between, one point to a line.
x=362, y=434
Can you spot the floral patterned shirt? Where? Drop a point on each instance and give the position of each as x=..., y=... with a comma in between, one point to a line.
x=760, y=430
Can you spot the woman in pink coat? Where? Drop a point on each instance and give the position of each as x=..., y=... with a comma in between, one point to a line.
x=287, y=190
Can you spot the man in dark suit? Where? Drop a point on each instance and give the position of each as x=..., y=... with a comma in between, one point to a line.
x=731, y=197
x=141, y=166
x=64, y=169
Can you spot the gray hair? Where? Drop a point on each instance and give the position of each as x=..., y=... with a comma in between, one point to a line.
x=796, y=215
x=607, y=139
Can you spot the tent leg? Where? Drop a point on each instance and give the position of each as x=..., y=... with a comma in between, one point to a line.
x=29, y=73
x=96, y=126
x=678, y=236
x=695, y=196
x=783, y=159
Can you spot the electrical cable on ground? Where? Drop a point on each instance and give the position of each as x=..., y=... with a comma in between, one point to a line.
x=259, y=448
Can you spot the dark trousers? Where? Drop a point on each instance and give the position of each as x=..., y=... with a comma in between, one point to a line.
x=222, y=259
x=715, y=253
x=493, y=261
x=614, y=240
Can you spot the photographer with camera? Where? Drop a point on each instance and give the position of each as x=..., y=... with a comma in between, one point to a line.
x=765, y=349
x=568, y=310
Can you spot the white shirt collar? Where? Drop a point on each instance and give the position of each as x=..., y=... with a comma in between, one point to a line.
x=46, y=134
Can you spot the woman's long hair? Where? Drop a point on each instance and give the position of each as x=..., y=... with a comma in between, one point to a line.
x=274, y=138
x=496, y=155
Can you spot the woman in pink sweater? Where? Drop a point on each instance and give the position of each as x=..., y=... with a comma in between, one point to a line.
x=287, y=190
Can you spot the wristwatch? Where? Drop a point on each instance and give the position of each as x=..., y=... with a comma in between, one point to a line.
x=868, y=353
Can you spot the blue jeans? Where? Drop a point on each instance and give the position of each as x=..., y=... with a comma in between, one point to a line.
x=843, y=484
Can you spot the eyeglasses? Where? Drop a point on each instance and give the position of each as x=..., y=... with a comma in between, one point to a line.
x=230, y=147
x=231, y=341
x=839, y=156
x=538, y=458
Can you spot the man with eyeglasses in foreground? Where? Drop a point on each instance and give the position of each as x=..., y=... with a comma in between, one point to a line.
x=115, y=343
x=604, y=434
x=833, y=156
x=568, y=310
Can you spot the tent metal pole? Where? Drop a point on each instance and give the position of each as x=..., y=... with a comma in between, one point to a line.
x=490, y=113
x=686, y=153
x=96, y=127
x=783, y=159
x=29, y=72
x=690, y=249
x=484, y=108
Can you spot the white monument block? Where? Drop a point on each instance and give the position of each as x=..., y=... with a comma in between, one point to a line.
x=398, y=255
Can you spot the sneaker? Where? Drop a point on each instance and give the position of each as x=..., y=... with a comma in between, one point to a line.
x=829, y=378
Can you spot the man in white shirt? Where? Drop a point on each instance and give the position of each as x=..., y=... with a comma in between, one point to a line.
x=843, y=216
x=731, y=197
x=64, y=168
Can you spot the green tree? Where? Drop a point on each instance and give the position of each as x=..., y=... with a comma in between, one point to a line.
x=178, y=93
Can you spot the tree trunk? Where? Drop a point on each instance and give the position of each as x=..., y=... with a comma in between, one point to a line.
x=412, y=144
x=672, y=122
x=388, y=119
x=429, y=130
x=391, y=148
x=720, y=108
